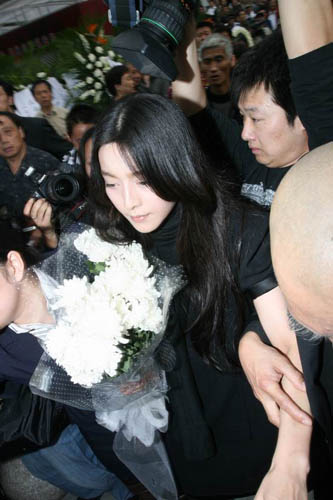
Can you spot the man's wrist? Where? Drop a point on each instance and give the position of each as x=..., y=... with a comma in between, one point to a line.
x=50, y=238
x=293, y=464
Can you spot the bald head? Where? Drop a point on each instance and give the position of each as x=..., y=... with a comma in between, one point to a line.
x=301, y=226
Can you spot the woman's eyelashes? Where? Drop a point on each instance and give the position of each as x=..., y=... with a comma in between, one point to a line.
x=139, y=181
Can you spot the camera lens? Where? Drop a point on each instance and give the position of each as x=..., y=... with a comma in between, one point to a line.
x=149, y=46
x=63, y=188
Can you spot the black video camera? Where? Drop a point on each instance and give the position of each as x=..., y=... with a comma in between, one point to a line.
x=158, y=28
x=57, y=188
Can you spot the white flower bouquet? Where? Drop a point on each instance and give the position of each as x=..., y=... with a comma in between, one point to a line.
x=102, y=325
x=101, y=353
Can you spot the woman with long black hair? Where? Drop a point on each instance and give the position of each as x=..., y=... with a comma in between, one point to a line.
x=151, y=183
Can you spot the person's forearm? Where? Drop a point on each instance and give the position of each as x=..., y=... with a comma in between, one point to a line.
x=293, y=446
x=50, y=238
x=187, y=90
x=306, y=25
x=287, y=476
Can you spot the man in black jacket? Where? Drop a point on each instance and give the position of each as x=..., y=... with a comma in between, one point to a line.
x=16, y=158
x=39, y=133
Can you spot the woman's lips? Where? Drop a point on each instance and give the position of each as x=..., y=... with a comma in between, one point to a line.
x=139, y=218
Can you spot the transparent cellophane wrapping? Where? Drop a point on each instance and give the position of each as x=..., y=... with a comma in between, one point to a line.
x=131, y=404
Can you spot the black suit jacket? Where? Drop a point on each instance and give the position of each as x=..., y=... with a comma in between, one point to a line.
x=40, y=134
x=315, y=356
x=317, y=363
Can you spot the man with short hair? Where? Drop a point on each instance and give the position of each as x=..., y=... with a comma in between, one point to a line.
x=119, y=82
x=55, y=115
x=136, y=75
x=80, y=118
x=15, y=159
x=211, y=9
x=216, y=61
x=39, y=133
x=6, y=96
x=203, y=29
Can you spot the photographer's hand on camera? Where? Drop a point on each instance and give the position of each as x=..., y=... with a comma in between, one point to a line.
x=40, y=212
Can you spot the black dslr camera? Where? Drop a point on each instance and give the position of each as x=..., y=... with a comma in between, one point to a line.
x=57, y=188
x=158, y=28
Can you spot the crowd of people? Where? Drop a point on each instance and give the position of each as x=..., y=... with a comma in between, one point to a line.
x=189, y=170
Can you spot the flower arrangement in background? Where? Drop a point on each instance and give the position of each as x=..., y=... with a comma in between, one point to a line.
x=79, y=56
x=94, y=61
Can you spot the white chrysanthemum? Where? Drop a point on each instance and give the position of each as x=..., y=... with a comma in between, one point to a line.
x=92, y=57
x=90, y=66
x=72, y=295
x=98, y=64
x=105, y=61
x=87, y=93
x=89, y=80
x=41, y=75
x=98, y=85
x=98, y=73
x=84, y=96
x=93, y=247
x=111, y=54
x=87, y=347
x=85, y=42
x=80, y=58
x=86, y=358
x=99, y=49
x=97, y=96
x=79, y=85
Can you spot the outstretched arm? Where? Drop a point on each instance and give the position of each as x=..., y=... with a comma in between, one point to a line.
x=187, y=90
x=290, y=465
x=306, y=25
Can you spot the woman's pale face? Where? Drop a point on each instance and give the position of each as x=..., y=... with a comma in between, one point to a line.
x=129, y=194
x=9, y=299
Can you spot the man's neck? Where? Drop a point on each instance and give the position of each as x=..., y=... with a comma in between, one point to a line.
x=15, y=163
x=47, y=110
x=295, y=160
x=220, y=89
